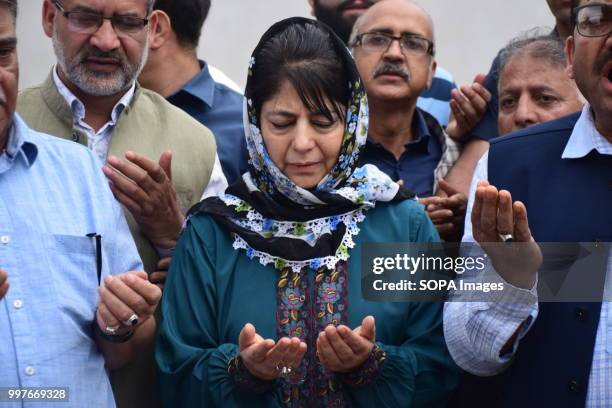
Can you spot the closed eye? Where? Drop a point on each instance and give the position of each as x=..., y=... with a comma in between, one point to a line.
x=281, y=125
x=324, y=125
x=546, y=99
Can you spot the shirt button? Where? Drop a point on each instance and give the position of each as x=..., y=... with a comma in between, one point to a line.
x=18, y=304
x=5, y=239
x=29, y=370
x=581, y=314
x=574, y=386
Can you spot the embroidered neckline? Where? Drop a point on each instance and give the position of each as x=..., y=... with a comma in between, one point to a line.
x=315, y=227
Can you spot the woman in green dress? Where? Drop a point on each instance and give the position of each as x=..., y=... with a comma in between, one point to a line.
x=262, y=306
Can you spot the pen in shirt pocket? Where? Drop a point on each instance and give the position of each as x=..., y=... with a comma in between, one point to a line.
x=98, y=240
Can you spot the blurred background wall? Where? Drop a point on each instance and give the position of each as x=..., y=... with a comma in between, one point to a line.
x=469, y=32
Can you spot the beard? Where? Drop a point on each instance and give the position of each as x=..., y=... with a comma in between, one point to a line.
x=332, y=16
x=99, y=83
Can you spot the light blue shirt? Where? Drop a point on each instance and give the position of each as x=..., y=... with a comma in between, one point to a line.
x=53, y=195
x=476, y=332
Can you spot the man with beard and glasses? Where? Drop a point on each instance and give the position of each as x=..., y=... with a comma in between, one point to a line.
x=341, y=15
x=393, y=46
x=544, y=354
x=159, y=160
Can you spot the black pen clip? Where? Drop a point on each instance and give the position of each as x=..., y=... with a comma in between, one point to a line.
x=98, y=239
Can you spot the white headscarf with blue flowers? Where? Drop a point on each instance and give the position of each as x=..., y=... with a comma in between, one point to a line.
x=267, y=207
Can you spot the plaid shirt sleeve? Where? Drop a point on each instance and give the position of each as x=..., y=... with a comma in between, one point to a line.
x=451, y=151
x=477, y=331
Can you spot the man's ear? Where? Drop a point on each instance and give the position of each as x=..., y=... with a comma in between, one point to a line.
x=569, y=55
x=311, y=2
x=432, y=73
x=161, y=29
x=48, y=15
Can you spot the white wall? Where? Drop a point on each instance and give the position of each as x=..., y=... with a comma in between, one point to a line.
x=469, y=32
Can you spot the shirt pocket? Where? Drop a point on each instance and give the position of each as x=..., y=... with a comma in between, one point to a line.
x=74, y=276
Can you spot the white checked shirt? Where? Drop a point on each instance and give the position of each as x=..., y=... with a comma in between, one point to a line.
x=475, y=332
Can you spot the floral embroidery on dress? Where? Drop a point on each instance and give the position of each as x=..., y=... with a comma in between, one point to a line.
x=311, y=384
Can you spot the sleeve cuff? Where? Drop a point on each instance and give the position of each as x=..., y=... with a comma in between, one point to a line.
x=244, y=379
x=478, y=328
x=368, y=372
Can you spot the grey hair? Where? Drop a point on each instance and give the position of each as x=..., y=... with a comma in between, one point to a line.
x=357, y=26
x=150, y=5
x=538, y=43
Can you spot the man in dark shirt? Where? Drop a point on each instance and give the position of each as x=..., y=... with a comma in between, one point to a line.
x=394, y=50
x=174, y=71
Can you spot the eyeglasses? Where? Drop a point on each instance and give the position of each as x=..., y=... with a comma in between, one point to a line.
x=87, y=22
x=594, y=20
x=409, y=43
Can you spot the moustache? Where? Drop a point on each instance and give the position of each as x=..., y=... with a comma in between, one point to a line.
x=97, y=53
x=346, y=4
x=392, y=68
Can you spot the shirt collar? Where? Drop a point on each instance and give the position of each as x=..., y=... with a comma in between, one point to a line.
x=20, y=144
x=201, y=86
x=421, y=134
x=421, y=131
x=585, y=138
x=77, y=107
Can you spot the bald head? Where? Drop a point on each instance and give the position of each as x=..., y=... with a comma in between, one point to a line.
x=399, y=71
x=401, y=9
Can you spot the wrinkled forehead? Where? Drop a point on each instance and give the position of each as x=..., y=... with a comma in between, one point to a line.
x=397, y=17
x=525, y=71
x=108, y=7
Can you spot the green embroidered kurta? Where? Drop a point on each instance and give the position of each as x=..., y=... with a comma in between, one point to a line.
x=213, y=290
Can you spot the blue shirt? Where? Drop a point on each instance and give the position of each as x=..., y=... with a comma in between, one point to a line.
x=486, y=129
x=417, y=163
x=219, y=108
x=53, y=195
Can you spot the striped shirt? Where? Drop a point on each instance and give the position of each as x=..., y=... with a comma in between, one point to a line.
x=436, y=100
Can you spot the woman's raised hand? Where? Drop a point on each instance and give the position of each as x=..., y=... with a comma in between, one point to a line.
x=343, y=350
x=266, y=358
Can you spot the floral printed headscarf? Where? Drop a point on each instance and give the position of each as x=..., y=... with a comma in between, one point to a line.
x=302, y=231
